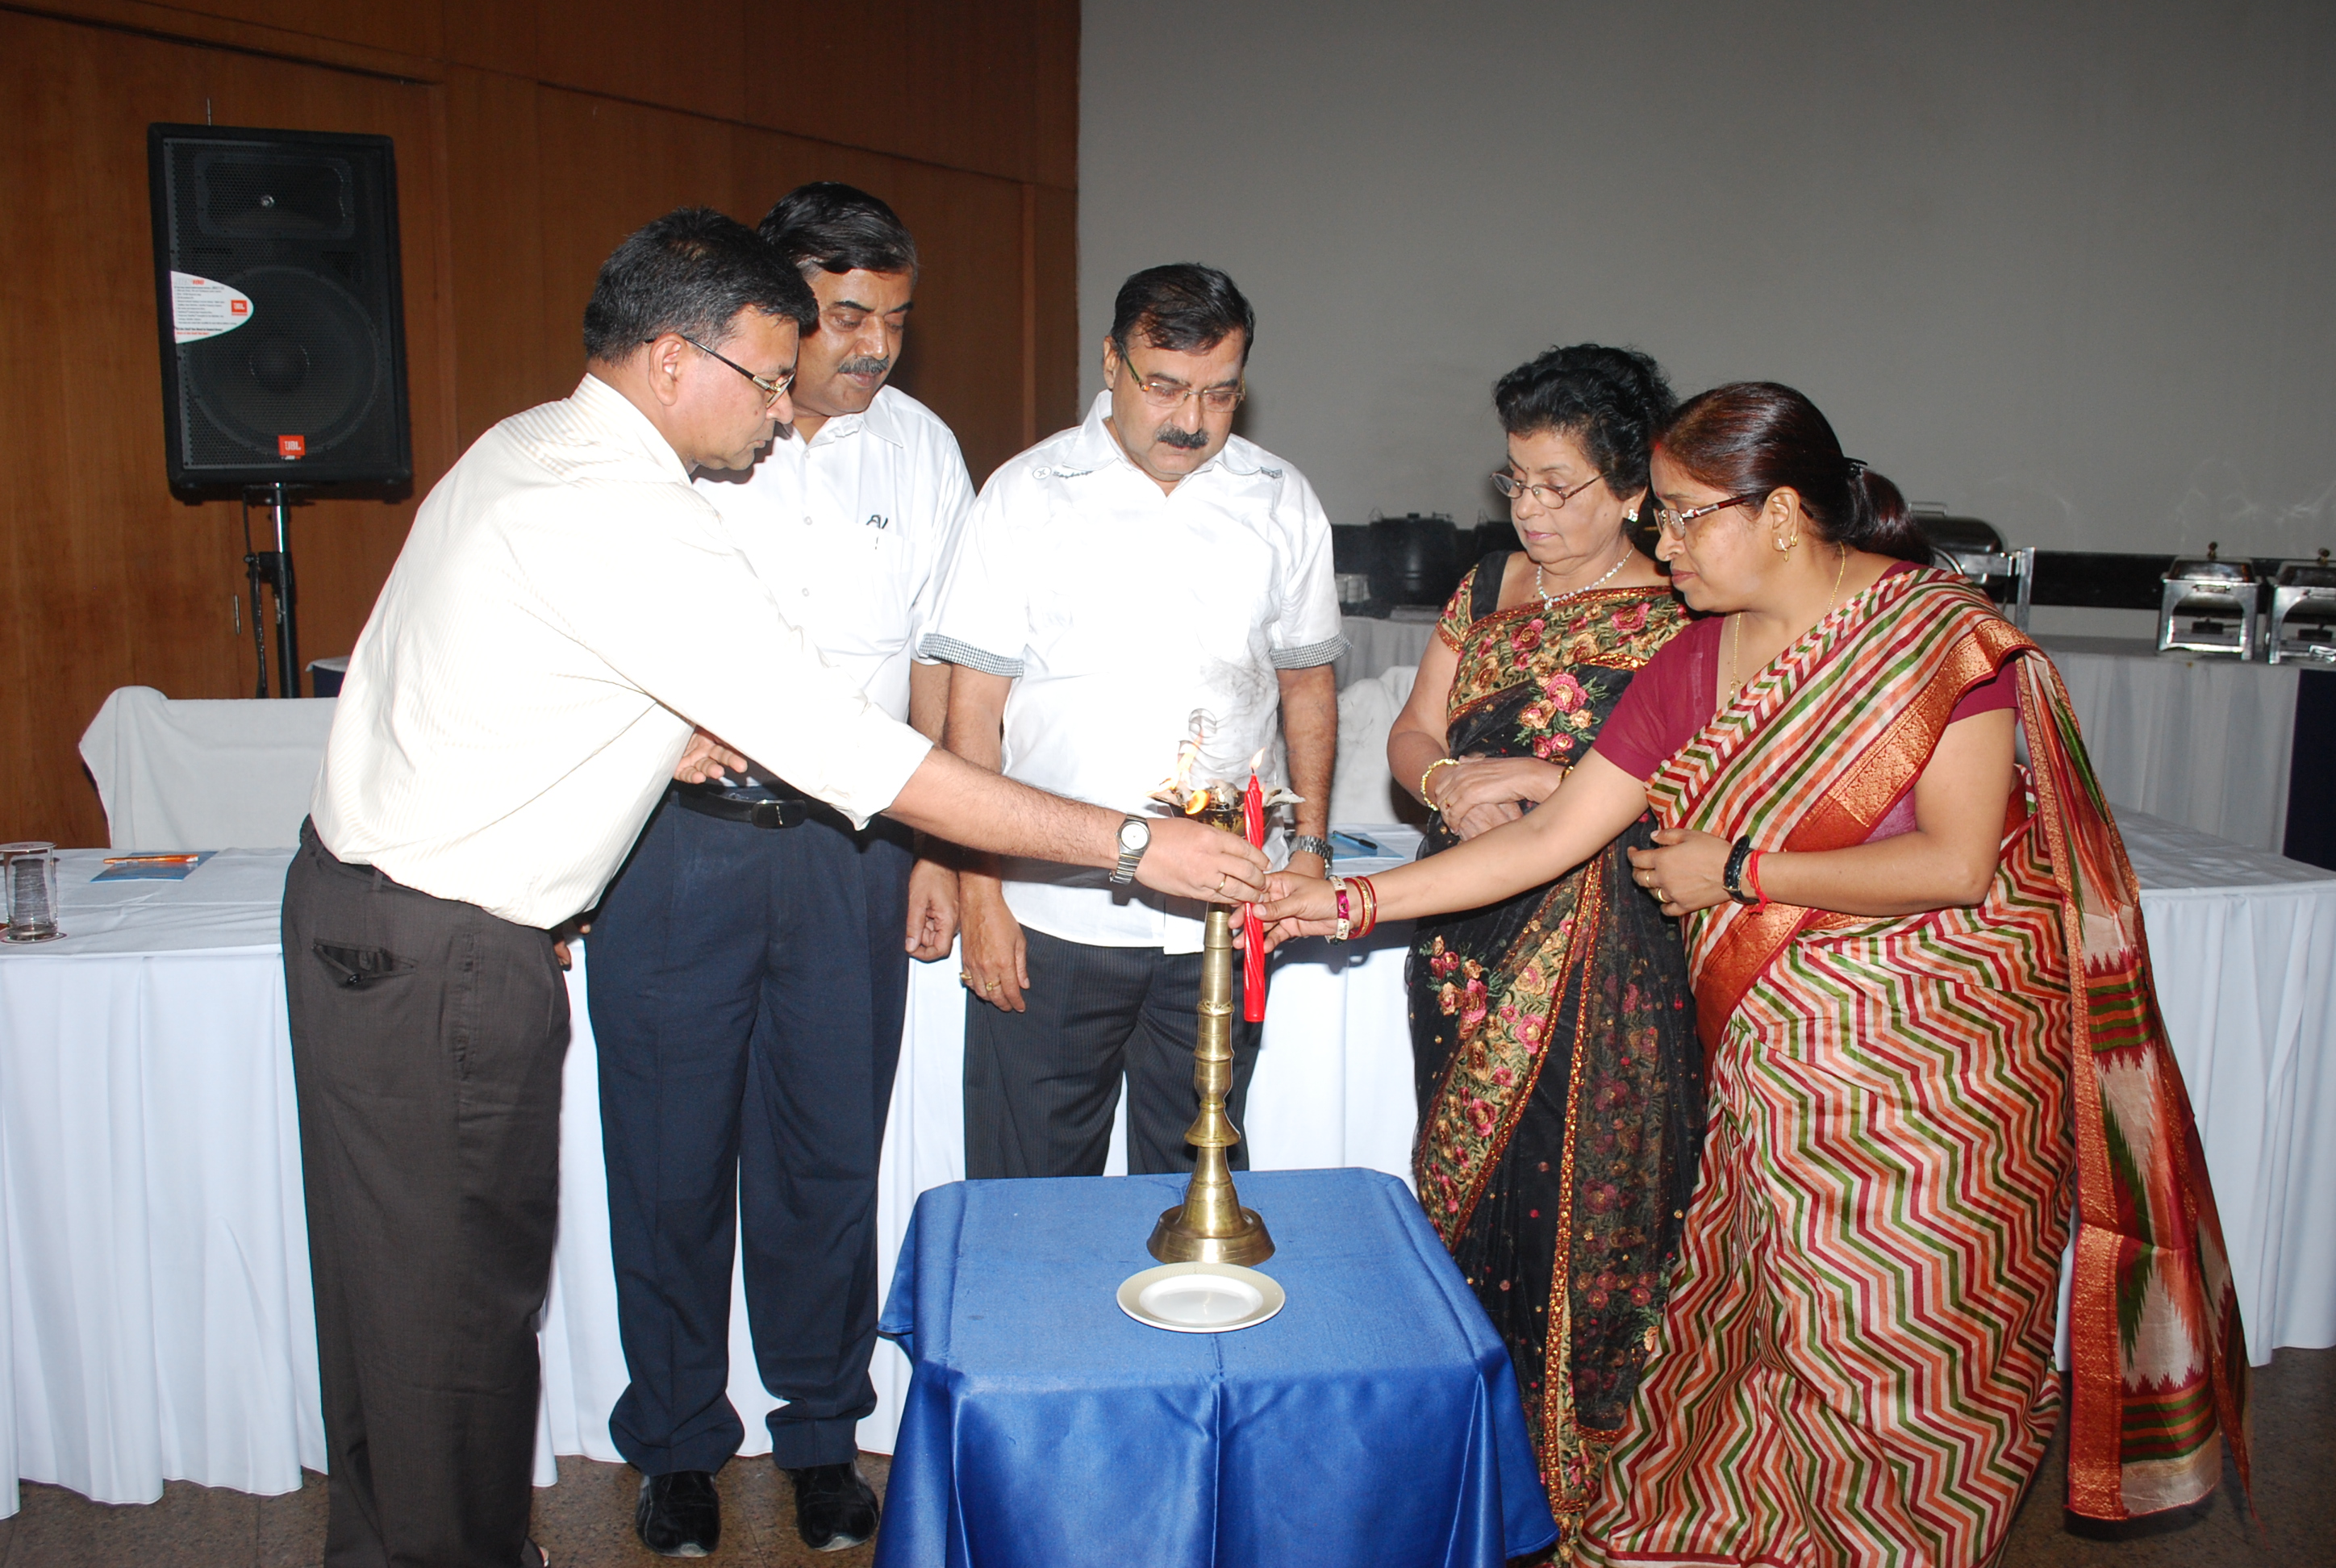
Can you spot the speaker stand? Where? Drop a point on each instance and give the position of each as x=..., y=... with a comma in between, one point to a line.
x=274, y=568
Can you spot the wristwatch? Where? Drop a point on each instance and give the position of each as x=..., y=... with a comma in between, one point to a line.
x=1134, y=838
x=1308, y=845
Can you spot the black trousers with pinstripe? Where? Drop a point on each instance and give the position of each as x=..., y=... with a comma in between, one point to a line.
x=427, y=1038
x=1040, y=1086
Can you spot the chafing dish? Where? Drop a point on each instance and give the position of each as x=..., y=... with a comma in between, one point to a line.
x=2209, y=605
x=2303, y=611
x=1973, y=548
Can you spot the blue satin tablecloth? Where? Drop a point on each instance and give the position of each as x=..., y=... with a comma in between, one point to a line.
x=1374, y=1421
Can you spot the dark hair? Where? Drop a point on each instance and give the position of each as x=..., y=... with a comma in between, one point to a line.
x=1183, y=308
x=830, y=227
x=692, y=271
x=1611, y=400
x=1752, y=437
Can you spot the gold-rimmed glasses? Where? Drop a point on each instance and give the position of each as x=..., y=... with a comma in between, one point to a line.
x=1675, y=523
x=772, y=390
x=1550, y=496
x=1168, y=395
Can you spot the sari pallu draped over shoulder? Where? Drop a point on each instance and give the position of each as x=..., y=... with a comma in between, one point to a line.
x=1810, y=757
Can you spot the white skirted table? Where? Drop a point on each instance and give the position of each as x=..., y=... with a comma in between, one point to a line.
x=156, y=1321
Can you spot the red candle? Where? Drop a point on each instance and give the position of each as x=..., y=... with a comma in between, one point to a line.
x=1253, y=929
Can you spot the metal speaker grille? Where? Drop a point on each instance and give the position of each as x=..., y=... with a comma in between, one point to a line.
x=310, y=364
x=245, y=195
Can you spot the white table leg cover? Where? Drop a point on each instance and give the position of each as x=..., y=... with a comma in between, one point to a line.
x=159, y=1316
x=2247, y=982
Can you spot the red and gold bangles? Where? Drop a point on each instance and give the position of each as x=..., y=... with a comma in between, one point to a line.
x=1358, y=907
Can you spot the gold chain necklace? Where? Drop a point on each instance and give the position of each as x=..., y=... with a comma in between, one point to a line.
x=1735, y=622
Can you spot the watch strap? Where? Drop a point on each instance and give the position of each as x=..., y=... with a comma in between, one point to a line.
x=1125, y=871
x=1306, y=843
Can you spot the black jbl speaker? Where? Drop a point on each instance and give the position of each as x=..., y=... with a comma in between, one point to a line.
x=282, y=314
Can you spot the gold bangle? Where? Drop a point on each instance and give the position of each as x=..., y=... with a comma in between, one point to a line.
x=1439, y=762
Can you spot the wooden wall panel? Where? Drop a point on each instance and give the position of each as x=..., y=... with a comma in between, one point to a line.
x=399, y=24
x=112, y=581
x=531, y=137
x=509, y=360
x=681, y=53
x=608, y=168
x=964, y=357
x=1056, y=352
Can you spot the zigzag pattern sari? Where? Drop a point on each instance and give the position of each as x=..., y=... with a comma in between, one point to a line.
x=1856, y=1366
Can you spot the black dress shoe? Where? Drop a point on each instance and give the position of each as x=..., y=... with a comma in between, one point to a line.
x=834, y=1508
x=679, y=1515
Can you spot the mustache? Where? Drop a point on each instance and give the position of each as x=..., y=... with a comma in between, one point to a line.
x=866, y=365
x=1184, y=439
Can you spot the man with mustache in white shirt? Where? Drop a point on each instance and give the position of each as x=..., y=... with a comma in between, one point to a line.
x=749, y=966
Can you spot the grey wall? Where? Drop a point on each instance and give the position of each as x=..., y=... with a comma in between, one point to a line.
x=2067, y=266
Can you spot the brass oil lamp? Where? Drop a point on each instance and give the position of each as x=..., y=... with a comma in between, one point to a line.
x=1210, y=1226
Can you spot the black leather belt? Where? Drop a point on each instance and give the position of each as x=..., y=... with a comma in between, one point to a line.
x=777, y=814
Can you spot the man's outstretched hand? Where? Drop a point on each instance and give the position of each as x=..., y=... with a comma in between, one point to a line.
x=1190, y=860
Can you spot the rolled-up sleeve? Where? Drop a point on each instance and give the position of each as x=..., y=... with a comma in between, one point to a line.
x=1309, y=632
x=982, y=620
x=952, y=501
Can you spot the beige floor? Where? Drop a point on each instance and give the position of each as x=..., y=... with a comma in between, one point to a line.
x=586, y=1521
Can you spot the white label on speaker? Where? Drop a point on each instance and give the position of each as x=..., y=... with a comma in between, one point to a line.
x=200, y=308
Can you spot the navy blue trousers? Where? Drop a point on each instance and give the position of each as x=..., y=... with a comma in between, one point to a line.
x=748, y=987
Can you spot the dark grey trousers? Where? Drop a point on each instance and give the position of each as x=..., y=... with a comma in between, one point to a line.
x=1040, y=1085
x=426, y=1045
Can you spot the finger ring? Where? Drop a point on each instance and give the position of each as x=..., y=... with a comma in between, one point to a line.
x=989, y=985
x=1220, y=882
x=965, y=977
x=1662, y=897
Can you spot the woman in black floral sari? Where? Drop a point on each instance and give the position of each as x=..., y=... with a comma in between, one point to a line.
x=1560, y=1102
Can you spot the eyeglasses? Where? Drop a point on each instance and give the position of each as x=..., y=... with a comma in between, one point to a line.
x=1675, y=523
x=1167, y=395
x=1550, y=496
x=772, y=391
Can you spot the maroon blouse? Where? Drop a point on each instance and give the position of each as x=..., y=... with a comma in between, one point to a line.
x=1677, y=692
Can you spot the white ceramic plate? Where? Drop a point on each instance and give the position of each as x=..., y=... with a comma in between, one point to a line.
x=1200, y=1298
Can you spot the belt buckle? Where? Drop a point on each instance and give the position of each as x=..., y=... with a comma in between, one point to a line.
x=776, y=813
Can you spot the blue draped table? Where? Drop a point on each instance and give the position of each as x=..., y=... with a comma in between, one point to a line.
x=1374, y=1420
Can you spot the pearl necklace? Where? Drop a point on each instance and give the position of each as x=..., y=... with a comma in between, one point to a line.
x=1551, y=602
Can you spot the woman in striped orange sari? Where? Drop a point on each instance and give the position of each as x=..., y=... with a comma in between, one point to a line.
x=1907, y=1069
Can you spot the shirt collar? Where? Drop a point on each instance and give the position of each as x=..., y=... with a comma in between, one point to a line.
x=1094, y=446
x=603, y=406
x=879, y=419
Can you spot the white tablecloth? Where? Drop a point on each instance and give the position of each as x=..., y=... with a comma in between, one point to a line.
x=156, y=1322
x=2200, y=741
x=197, y=775
x=1373, y=644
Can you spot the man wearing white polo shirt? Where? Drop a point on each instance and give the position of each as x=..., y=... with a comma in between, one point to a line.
x=749, y=968
x=1117, y=586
